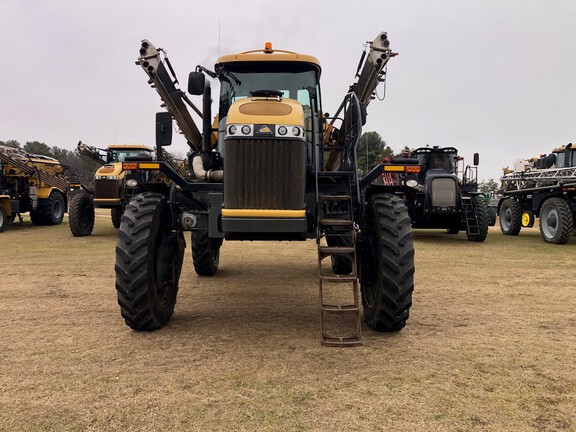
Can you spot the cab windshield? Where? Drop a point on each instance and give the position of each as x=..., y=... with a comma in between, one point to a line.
x=442, y=161
x=296, y=80
x=119, y=155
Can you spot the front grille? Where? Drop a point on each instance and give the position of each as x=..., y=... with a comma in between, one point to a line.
x=264, y=174
x=106, y=188
x=443, y=192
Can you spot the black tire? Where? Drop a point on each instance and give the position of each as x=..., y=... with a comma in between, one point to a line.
x=49, y=211
x=492, y=214
x=3, y=219
x=386, y=249
x=556, y=221
x=510, y=217
x=81, y=214
x=482, y=219
x=116, y=214
x=453, y=231
x=205, y=253
x=148, y=262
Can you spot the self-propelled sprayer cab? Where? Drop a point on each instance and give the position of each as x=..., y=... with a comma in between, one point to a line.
x=268, y=93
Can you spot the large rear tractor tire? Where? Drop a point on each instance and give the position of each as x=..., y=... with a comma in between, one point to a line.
x=50, y=211
x=556, y=221
x=205, y=253
x=386, y=249
x=510, y=217
x=3, y=219
x=482, y=219
x=148, y=262
x=81, y=215
x=116, y=214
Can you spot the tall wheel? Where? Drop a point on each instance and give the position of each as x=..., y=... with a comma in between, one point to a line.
x=510, y=217
x=3, y=219
x=556, y=221
x=81, y=215
x=482, y=219
x=148, y=262
x=386, y=263
x=205, y=253
x=116, y=214
x=50, y=211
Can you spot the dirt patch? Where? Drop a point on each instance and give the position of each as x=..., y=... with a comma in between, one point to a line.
x=490, y=344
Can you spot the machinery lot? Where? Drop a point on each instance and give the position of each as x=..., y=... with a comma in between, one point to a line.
x=490, y=344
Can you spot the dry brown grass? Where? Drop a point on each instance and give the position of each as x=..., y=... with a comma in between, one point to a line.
x=490, y=344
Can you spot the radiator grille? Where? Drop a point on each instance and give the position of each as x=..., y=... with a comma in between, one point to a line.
x=107, y=188
x=264, y=174
x=443, y=192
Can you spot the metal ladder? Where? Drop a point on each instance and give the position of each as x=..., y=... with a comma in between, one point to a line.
x=338, y=230
x=472, y=226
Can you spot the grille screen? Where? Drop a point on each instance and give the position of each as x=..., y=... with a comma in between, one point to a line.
x=264, y=174
x=443, y=192
x=106, y=188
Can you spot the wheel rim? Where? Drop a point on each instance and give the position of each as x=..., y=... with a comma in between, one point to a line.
x=525, y=219
x=550, y=221
x=57, y=210
x=507, y=218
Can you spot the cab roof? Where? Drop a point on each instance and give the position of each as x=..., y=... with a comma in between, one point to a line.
x=269, y=54
x=129, y=146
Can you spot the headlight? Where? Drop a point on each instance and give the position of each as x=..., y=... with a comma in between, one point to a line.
x=296, y=131
x=282, y=130
x=132, y=183
x=411, y=183
x=245, y=129
x=232, y=130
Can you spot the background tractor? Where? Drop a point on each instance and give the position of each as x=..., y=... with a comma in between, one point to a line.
x=111, y=188
x=271, y=166
x=543, y=188
x=446, y=195
x=31, y=183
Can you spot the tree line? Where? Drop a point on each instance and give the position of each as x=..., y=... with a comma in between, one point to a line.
x=80, y=169
x=371, y=150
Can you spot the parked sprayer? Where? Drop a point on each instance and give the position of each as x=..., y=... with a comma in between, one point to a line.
x=543, y=188
x=31, y=183
x=260, y=173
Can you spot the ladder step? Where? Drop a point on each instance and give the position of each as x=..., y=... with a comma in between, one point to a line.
x=325, y=197
x=338, y=278
x=336, y=222
x=350, y=341
x=335, y=174
x=336, y=250
x=340, y=309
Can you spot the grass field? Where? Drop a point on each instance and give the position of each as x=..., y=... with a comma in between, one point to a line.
x=490, y=344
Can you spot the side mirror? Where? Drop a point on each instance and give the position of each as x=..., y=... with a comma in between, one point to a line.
x=196, y=81
x=163, y=129
x=476, y=158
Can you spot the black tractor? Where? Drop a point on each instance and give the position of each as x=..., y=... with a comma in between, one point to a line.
x=443, y=199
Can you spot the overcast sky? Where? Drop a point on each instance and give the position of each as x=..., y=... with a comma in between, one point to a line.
x=497, y=77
